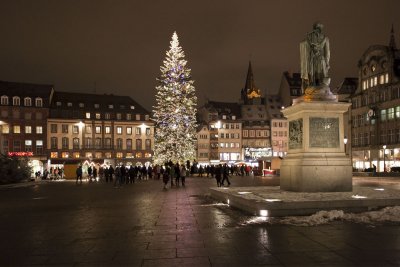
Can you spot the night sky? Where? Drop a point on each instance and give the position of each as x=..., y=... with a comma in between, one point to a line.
x=115, y=46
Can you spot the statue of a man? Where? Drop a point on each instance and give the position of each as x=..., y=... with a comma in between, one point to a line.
x=314, y=58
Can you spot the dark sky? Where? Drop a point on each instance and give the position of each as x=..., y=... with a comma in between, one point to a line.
x=118, y=46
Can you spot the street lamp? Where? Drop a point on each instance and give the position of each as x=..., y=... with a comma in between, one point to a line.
x=384, y=158
x=345, y=144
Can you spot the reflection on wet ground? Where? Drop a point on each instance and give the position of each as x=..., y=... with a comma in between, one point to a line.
x=143, y=225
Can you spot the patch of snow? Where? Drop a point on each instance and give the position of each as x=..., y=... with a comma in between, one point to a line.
x=388, y=214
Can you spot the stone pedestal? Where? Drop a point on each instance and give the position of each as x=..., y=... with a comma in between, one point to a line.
x=316, y=159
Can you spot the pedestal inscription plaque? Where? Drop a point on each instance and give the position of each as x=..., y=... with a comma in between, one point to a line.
x=296, y=134
x=324, y=132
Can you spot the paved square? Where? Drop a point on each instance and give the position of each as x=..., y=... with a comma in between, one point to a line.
x=143, y=225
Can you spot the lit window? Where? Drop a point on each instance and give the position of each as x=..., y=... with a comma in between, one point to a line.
x=96, y=105
x=17, y=129
x=65, y=155
x=81, y=105
x=58, y=104
x=53, y=128
x=119, y=116
x=98, y=116
x=128, y=117
x=87, y=115
x=69, y=104
x=108, y=129
x=53, y=155
x=107, y=116
x=119, y=130
x=98, y=129
x=88, y=129
x=128, y=130
x=119, y=155
x=110, y=106
x=132, y=107
x=76, y=155
x=382, y=79
x=148, y=131
x=138, y=117
x=28, y=129
x=138, y=131
x=75, y=129
x=387, y=78
x=39, y=142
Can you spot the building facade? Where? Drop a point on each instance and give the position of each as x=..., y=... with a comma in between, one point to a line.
x=24, y=110
x=375, y=113
x=105, y=129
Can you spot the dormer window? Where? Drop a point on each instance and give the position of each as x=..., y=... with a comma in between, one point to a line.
x=96, y=105
x=4, y=100
x=81, y=105
x=27, y=102
x=122, y=107
x=69, y=104
x=16, y=101
x=110, y=106
x=132, y=107
x=58, y=104
x=38, y=102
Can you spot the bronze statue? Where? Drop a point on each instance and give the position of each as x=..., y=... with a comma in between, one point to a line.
x=314, y=58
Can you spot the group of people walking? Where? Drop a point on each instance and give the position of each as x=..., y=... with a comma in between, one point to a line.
x=171, y=173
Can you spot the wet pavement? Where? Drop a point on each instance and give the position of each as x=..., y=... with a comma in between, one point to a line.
x=64, y=224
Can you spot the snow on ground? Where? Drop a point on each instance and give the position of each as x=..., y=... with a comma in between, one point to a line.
x=386, y=215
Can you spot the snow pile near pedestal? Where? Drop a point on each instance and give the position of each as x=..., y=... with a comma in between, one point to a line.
x=388, y=214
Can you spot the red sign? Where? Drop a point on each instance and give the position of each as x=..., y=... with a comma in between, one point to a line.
x=20, y=154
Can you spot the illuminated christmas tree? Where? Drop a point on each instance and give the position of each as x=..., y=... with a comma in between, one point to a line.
x=175, y=111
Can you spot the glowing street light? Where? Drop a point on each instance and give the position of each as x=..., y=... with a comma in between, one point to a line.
x=345, y=144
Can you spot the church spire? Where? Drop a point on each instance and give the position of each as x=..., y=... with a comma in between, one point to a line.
x=392, y=42
x=250, y=79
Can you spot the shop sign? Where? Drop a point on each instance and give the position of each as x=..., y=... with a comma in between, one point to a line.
x=20, y=154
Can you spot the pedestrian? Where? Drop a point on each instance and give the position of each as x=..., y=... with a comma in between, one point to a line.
x=89, y=171
x=111, y=172
x=171, y=174
x=183, y=174
x=79, y=174
x=166, y=177
x=177, y=174
x=117, y=182
x=225, y=175
x=131, y=173
x=217, y=172
x=94, y=173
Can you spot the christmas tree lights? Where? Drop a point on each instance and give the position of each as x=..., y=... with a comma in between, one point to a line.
x=175, y=111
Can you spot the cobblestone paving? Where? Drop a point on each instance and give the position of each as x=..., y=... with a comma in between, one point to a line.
x=96, y=224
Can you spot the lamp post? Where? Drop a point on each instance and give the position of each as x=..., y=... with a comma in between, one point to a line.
x=384, y=158
x=345, y=144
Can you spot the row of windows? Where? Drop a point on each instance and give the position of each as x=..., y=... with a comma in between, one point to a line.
x=28, y=144
x=384, y=115
x=279, y=133
x=226, y=125
x=16, y=101
x=16, y=114
x=98, y=143
x=229, y=145
x=16, y=129
x=386, y=137
x=203, y=155
x=232, y=135
x=255, y=133
x=279, y=124
x=96, y=106
x=107, y=116
x=99, y=155
x=98, y=129
x=383, y=95
x=373, y=81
